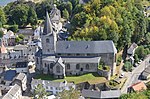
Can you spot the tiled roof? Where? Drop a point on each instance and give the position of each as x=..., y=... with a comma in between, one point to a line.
x=139, y=86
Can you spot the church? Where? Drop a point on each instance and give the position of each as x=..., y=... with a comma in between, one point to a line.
x=61, y=58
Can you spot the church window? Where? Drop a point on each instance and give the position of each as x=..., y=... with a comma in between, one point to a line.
x=68, y=66
x=37, y=61
x=77, y=66
x=58, y=69
x=48, y=50
x=45, y=65
x=51, y=66
x=47, y=40
x=87, y=66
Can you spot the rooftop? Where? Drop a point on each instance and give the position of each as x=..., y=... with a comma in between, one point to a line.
x=85, y=47
x=139, y=86
x=9, y=75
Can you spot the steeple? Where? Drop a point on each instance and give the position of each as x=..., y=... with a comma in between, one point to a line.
x=47, y=25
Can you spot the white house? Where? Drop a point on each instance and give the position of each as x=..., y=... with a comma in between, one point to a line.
x=14, y=93
x=51, y=86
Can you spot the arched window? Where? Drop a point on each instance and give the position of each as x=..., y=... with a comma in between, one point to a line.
x=78, y=66
x=68, y=66
x=47, y=40
x=45, y=65
x=51, y=66
x=58, y=69
x=87, y=66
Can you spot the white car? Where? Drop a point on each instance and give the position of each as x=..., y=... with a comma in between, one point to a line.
x=121, y=75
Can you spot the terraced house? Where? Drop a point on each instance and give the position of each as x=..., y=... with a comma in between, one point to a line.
x=61, y=58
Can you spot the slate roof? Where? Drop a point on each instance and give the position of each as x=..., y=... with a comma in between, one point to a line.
x=9, y=75
x=75, y=60
x=132, y=48
x=146, y=71
x=101, y=94
x=11, y=93
x=21, y=64
x=20, y=76
x=106, y=46
x=110, y=94
x=47, y=25
x=91, y=94
x=54, y=12
x=50, y=83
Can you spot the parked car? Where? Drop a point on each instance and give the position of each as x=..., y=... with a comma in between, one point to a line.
x=121, y=75
x=136, y=64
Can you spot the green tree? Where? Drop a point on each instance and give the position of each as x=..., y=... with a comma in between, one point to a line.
x=21, y=36
x=69, y=94
x=127, y=66
x=2, y=17
x=32, y=17
x=69, y=7
x=140, y=52
x=17, y=40
x=19, y=15
x=1, y=34
x=65, y=14
x=40, y=92
x=13, y=28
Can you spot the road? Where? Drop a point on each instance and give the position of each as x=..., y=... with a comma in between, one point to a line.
x=133, y=76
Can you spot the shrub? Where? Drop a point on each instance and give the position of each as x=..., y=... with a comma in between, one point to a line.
x=119, y=58
x=13, y=28
x=127, y=66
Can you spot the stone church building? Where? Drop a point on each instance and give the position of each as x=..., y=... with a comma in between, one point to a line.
x=62, y=58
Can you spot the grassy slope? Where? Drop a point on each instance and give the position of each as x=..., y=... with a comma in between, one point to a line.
x=92, y=78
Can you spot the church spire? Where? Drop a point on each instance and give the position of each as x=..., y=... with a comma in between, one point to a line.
x=47, y=25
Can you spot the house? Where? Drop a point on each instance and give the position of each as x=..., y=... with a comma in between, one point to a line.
x=146, y=73
x=131, y=49
x=73, y=57
x=14, y=93
x=21, y=80
x=9, y=76
x=51, y=86
x=139, y=86
x=22, y=67
x=93, y=94
x=9, y=38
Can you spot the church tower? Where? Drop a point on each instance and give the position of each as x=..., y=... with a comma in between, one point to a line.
x=49, y=38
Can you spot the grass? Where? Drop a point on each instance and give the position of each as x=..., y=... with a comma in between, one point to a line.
x=92, y=78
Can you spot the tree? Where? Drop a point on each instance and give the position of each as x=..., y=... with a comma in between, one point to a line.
x=2, y=17
x=13, y=28
x=21, y=36
x=69, y=7
x=127, y=66
x=1, y=34
x=19, y=15
x=140, y=52
x=40, y=92
x=69, y=94
x=65, y=14
x=32, y=16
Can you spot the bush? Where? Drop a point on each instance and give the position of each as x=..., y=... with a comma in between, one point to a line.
x=127, y=66
x=119, y=58
x=14, y=28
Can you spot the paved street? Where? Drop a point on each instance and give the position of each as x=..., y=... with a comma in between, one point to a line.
x=133, y=76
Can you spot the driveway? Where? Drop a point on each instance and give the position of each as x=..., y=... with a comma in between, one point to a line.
x=133, y=77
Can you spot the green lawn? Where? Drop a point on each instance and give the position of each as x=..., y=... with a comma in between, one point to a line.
x=92, y=78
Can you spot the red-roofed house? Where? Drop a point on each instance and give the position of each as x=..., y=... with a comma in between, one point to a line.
x=140, y=86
